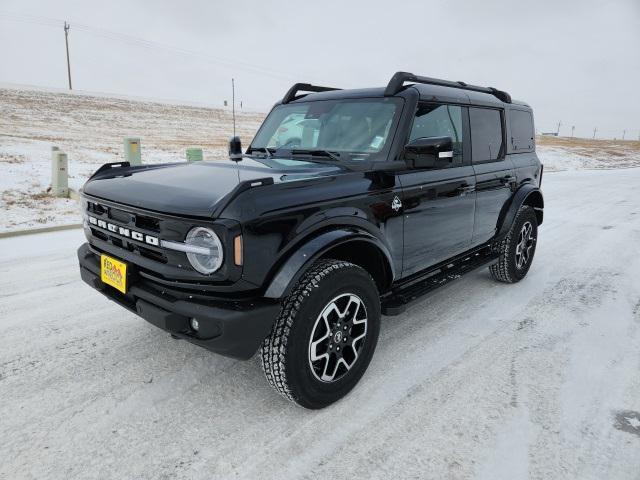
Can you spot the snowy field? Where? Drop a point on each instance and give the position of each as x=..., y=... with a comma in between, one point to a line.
x=91, y=128
x=560, y=154
x=480, y=380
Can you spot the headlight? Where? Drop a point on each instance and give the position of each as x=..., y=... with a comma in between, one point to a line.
x=209, y=257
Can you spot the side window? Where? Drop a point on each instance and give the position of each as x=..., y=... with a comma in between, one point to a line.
x=486, y=134
x=522, y=135
x=440, y=121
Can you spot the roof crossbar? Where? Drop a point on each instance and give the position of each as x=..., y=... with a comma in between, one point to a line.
x=304, y=87
x=398, y=80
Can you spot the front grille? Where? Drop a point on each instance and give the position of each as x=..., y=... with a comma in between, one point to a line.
x=121, y=216
x=148, y=223
x=126, y=230
x=136, y=236
x=151, y=254
x=96, y=208
x=98, y=234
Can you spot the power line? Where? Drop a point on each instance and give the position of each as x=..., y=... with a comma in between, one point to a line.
x=47, y=22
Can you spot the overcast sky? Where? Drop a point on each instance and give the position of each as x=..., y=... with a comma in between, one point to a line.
x=574, y=61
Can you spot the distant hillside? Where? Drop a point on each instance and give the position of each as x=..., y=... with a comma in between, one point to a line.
x=563, y=153
x=78, y=122
x=91, y=130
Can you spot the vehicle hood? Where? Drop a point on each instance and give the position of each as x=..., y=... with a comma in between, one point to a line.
x=192, y=189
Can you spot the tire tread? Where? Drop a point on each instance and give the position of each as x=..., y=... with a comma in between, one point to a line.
x=274, y=347
x=500, y=270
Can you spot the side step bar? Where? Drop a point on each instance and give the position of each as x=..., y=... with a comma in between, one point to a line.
x=397, y=301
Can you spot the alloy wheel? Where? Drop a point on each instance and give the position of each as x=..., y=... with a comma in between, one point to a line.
x=524, y=245
x=337, y=337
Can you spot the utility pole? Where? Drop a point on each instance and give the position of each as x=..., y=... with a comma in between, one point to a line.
x=623, y=133
x=66, y=41
x=594, y=132
x=233, y=105
x=572, y=130
x=558, y=130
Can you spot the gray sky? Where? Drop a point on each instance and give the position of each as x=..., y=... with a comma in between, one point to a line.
x=577, y=60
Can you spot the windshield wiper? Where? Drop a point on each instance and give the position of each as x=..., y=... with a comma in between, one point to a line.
x=268, y=151
x=321, y=153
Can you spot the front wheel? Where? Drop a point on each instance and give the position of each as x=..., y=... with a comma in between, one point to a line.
x=326, y=333
x=516, y=250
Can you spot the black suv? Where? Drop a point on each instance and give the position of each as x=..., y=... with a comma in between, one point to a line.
x=347, y=205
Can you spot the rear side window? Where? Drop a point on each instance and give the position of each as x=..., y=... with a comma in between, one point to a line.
x=522, y=134
x=486, y=134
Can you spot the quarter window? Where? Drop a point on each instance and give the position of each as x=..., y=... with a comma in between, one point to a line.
x=440, y=121
x=486, y=134
x=521, y=123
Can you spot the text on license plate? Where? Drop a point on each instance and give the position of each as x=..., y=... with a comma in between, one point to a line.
x=113, y=272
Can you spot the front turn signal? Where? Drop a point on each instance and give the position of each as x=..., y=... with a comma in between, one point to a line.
x=237, y=250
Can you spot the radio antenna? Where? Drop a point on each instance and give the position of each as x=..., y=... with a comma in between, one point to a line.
x=233, y=105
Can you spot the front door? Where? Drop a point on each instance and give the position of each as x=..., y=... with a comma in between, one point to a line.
x=438, y=204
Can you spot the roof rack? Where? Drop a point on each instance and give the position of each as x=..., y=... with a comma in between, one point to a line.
x=304, y=87
x=397, y=81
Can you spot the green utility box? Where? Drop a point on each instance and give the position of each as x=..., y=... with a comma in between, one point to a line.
x=194, y=154
x=132, y=153
x=60, y=174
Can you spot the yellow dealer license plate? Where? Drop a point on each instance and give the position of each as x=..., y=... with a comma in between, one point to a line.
x=113, y=272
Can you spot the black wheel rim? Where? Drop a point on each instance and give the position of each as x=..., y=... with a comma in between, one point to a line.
x=337, y=337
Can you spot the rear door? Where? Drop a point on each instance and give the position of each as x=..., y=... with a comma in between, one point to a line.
x=439, y=203
x=495, y=177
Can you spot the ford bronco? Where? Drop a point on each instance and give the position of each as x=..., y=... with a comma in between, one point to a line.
x=347, y=205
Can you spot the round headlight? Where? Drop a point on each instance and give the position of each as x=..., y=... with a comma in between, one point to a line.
x=209, y=257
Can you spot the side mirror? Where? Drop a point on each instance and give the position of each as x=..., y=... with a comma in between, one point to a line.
x=235, y=148
x=429, y=152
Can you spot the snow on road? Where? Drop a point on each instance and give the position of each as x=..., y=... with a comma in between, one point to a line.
x=480, y=380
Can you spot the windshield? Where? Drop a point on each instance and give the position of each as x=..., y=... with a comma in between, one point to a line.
x=358, y=128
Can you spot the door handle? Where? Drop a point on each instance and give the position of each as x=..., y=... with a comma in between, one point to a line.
x=464, y=189
x=508, y=179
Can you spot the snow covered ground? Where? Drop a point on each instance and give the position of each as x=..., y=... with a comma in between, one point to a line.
x=90, y=128
x=480, y=380
x=563, y=153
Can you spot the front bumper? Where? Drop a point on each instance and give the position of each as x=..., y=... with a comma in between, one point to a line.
x=233, y=328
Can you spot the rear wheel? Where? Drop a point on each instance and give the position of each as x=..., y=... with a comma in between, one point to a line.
x=517, y=248
x=326, y=333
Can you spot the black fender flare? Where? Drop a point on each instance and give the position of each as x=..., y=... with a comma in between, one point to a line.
x=302, y=259
x=526, y=194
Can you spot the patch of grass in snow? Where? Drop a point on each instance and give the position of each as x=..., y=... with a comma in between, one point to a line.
x=11, y=158
x=615, y=147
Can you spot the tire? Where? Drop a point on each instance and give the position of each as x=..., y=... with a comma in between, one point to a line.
x=309, y=336
x=512, y=266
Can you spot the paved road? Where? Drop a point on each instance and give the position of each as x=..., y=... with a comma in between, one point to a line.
x=481, y=380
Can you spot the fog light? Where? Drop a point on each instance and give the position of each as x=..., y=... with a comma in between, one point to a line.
x=194, y=324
